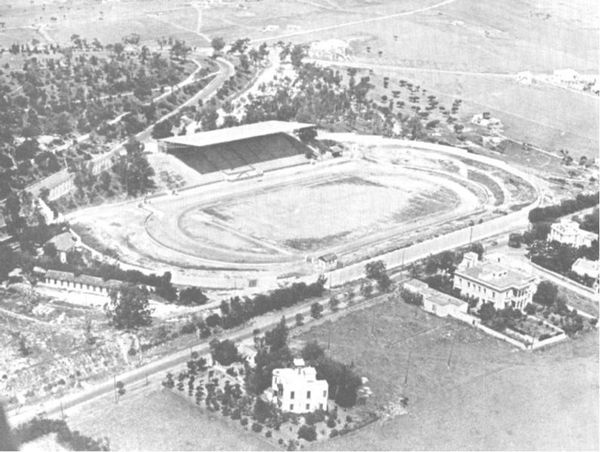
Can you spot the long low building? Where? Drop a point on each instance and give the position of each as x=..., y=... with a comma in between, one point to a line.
x=84, y=284
x=435, y=302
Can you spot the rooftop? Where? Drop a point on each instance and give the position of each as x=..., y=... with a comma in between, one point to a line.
x=83, y=279
x=585, y=266
x=242, y=132
x=495, y=275
x=64, y=241
x=298, y=375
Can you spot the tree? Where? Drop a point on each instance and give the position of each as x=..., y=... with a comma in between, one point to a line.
x=162, y=129
x=376, y=270
x=546, y=294
x=8, y=261
x=224, y=352
x=307, y=432
x=50, y=250
x=299, y=51
x=316, y=310
x=209, y=118
x=192, y=296
x=217, y=43
x=129, y=307
x=312, y=352
x=487, y=312
x=64, y=124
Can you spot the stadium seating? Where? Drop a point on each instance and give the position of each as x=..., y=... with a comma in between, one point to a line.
x=240, y=153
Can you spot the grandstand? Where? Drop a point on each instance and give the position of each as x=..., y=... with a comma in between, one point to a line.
x=237, y=147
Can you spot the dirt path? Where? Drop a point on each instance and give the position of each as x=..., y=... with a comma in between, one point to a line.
x=355, y=22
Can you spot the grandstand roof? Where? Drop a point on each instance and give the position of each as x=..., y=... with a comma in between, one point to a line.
x=243, y=132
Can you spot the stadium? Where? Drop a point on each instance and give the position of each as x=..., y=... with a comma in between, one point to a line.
x=274, y=201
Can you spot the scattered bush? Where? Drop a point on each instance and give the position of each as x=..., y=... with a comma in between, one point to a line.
x=307, y=432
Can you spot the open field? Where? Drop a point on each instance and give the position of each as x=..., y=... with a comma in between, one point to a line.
x=487, y=42
x=163, y=420
x=489, y=397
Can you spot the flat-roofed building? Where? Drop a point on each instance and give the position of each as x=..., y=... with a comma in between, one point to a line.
x=297, y=390
x=435, y=302
x=490, y=281
x=568, y=232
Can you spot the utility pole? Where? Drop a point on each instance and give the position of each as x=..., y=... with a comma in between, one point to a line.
x=450, y=355
x=407, y=367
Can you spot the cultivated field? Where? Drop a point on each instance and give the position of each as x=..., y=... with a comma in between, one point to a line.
x=466, y=390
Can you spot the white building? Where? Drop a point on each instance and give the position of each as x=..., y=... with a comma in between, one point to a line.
x=327, y=262
x=586, y=267
x=568, y=232
x=330, y=49
x=82, y=284
x=491, y=281
x=436, y=302
x=297, y=390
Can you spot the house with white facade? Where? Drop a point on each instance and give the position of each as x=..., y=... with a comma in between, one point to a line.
x=568, y=232
x=435, y=302
x=297, y=390
x=491, y=281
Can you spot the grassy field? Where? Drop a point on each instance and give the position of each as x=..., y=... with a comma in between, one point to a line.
x=163, y=421
x=490, y=396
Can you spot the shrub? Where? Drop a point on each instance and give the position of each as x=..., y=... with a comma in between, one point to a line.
x=334, y=433
x=316, y=310
x=244, y=421
x=307, y=432
x=331, y=423
x=268, y=433
x=256, y=427
x=313, y=418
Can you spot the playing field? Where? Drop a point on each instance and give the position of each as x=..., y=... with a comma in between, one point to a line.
x=317, y=214
x=278, y=220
